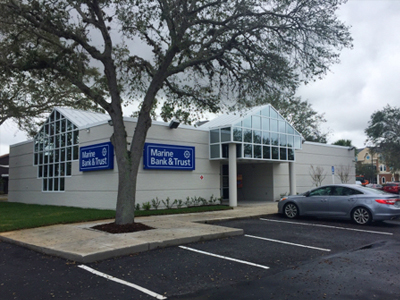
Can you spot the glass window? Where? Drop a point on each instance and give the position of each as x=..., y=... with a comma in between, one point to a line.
x=283, y=154
x=290, y=154
x=247, y=135
x=257, y=151
x=324, y=191
x=256, y=122
x=266, y=152
x=290, y=140
x=289, y=129
x=238, y=150
x=265, y=124
x=63, y=125
x=256, y=137
x=225, y=150
x=265, y=112
x=237, y=134
x=248, y=150
x=282, y=140
x=274, y=139
x=56, y=142
x=273, y=113
x=247, y=122
x=275, y=153
x=282, y=126
x=214, y=136
x=226, y=134
x=274, y=125
x=266, y=139
x=214, y=151
x=297, y=142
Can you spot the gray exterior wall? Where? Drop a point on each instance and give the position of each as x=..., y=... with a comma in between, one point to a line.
x=315, y=154
x=264, y=181
x=98, y=189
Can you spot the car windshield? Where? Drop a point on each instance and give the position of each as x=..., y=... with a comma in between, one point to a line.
x=374, y=191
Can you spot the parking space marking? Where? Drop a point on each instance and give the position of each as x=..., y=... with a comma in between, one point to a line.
x=328, y=226
x=143, y=290
x=287, y=243
x=225, y=257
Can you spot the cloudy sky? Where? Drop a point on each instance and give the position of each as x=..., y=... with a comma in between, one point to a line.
x=366, y=80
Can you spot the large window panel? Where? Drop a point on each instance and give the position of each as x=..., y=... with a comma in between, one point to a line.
x=56, y=147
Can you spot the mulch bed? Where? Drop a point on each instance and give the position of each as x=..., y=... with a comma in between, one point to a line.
x=114, y=228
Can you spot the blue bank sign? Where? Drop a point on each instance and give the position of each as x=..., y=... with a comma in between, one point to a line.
x=168, y=157
x=96, y=157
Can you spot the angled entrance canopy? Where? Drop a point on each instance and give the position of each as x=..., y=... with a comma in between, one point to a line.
x=259, y=134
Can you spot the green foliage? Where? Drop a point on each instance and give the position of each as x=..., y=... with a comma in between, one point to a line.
x=383, y=133
x=369, y=171
x=155, y=203
x=167, y=203
x=19, y=215
x=146, y=206
x=343, y=142
x=16, y=216
x=301, y=115
x=137, y=207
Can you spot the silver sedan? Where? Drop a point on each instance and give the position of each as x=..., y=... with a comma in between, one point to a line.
x=346, y=201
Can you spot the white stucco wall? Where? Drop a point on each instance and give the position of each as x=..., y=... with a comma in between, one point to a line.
x=98, y=189
x=315, y=154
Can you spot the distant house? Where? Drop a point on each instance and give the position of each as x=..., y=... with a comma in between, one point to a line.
x=384, y=174
x=4, y=166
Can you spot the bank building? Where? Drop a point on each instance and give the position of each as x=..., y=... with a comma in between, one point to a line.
x=251, y=156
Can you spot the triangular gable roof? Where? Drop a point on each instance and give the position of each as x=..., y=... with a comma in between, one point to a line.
x=229, y=120
x=82, y=119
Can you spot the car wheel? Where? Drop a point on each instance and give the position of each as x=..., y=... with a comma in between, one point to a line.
x=291, y=211
x=361, y=215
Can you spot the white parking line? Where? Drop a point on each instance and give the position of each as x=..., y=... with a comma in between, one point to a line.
x=287, y=243
x=225, y=257
x=328, y=226
x=143, y=290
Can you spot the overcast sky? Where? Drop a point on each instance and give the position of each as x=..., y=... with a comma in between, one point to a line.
x=366, y=80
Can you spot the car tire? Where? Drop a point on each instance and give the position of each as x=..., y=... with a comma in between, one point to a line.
x=291, y=211
x=361, y=215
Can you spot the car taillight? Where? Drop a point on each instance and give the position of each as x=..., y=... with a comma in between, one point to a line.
x=387, y=201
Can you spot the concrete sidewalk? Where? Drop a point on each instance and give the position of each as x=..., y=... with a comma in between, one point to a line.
x=80, y=243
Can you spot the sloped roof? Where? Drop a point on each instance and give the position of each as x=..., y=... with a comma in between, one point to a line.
x=81, y=118
x=231, y=119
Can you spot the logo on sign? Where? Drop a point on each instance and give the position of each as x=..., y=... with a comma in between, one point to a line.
x=96, y=157
x=168, y=157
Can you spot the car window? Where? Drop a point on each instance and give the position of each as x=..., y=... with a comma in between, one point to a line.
x=323, y=191
x=345, y=191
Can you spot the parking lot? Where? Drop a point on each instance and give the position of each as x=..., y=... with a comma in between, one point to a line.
x=277, y=258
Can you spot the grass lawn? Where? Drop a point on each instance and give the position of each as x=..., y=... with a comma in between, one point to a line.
x=15, y=216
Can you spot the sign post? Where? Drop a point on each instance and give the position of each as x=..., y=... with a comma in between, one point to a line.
x=333, y=175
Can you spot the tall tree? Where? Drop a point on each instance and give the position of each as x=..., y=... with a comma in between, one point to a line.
x=343, y=142
x=301, y=115
x=383, y=133
x=200, y=55
x=27, y=101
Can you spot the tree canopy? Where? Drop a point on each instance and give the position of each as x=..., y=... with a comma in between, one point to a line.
x=383, y=133
x=301, y=115
x=343, y=142
x=195, y=55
